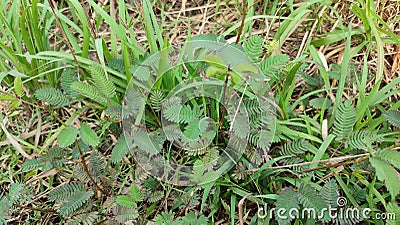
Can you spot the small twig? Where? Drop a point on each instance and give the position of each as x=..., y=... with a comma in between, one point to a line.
x=53, y=6
x=12, y=140
x=28, y=135
x=223, y=99
x=185, y=209
x=240, y=205
x=342, y=158
x=39, y=128
x=85, y=7
x=238, y=107
x=85, y=168
x=335, y=165
x=275, y=105
x=36, y=209
x=242, y=23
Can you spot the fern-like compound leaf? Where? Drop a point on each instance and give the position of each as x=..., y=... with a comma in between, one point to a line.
x=74, y=202
x=329, y=192
x=142, y=73
x=361, y=139
x=311, y=199
x=19, y=193
x=135, y=193
x=296, y=147
x=293, y=160
x=191, y=219
x=5, y=210
x=68, y=77
x=270, y=65
x=83, y=218
x=89, y=91
x=240, y=125
x=210, y=157
x=114, y=111
x=143, y=141
x=172, y=108
x=33, y=164
x=385, y=172
x=393, y=209
x=255, y=157
x=164, y=218
x=134, y=103
x=393, y=117
x=120, y=150
x=318, y=103
x=157, y=98
x=311, y=81
x=82, y=146
x=198, y=170
x=117, y=64
x=53, y=96
x=155, y=196
x=53, y=158
x=240, y=172
x=358, y=193
x=254, y=48
x=187, y=114
x=80, y=174
x=392, y=156
x=261, y=138
x=97, y=165
x=172, y=132
x=152, y=184
x=197, y=148
x=126, y=214
x=353, y=216
x=141, y=174
x=125, y=201
x=344, y=120
x=287, y=199
x=67, y=190
x=105, y=86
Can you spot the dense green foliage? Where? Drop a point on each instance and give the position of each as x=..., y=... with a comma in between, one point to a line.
x=335, y=136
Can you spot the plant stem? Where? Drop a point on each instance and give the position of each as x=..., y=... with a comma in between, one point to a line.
x=242, y=23
x=336, y=165
x=223, y=99
x=53, y=6
x=359, y=158
x=35, y=209
x=85, y=7
x=85, y=168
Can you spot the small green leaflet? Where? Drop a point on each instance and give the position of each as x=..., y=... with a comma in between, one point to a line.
x=67, y=136
x=385, y=172
x=393, y=117
x=125, y=201
x=88, y=136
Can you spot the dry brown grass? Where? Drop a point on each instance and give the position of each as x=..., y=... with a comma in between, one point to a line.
x=200, y=17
